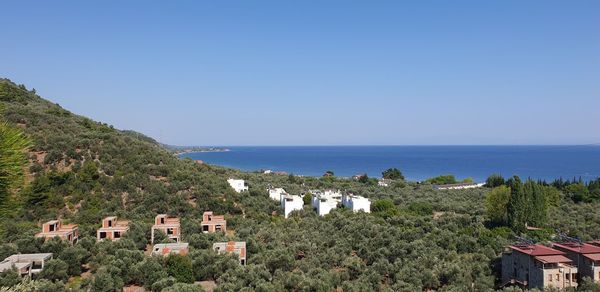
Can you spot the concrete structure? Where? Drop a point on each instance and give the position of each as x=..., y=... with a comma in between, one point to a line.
x=171, y=226
x=275, y=193
x=213, y=223
x=537, y=266
x=356, y=203
x=164, y=249
x=26, y=264
x=326, y=201
x=585, y=256
x=239, y=185
x=460, y=186
x=236, y=247
x=291, y=203
x=112, y=228
x=54, y=228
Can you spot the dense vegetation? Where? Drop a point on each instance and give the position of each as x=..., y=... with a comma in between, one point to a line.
x=416, y=238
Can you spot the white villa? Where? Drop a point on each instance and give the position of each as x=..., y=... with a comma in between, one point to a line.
x=275, y=193
x=324, y=202
x=239, y=185
x=291, y=203
x=356, y=203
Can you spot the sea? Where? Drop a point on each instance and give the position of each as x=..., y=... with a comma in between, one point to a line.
x=417, y=163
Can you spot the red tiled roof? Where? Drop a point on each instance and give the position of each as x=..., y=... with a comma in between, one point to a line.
x=593, y=256
x=553, y=259
x=595, y=242
x=578, y=248
x=536, y=250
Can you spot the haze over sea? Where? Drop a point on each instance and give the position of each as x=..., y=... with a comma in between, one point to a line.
x=416, y=162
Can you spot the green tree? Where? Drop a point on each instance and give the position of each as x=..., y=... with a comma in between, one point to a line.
x=363, y=178
x=494, y=180
x=307, y=198
x=537, y=210
x=329, y=173
x=578, y=192
x=392, y=173
x=180, y=267
x=496, y=204
x=55, y=270
x=13, y=146
x=517, y=205
x=442, y=180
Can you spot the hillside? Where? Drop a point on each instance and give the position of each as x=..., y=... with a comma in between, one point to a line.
x=81, y=171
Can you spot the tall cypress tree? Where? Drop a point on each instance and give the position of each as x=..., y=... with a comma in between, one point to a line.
x=537, y=206
x=517, y=205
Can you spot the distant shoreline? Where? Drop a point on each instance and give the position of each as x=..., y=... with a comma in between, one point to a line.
x=203, y=150
x=417, y=163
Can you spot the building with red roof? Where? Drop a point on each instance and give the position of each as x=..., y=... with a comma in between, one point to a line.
x=586, y=256
x=537, y=266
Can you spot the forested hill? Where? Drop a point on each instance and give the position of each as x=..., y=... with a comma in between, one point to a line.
x=417, y=238
x=79, y=166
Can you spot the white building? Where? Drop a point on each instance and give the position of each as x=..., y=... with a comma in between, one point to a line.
x=384, y=182
x=291, y=203
x=324, y=202
x=460, y=186
x=239, y=185
x=356, y=203
x=275, y=193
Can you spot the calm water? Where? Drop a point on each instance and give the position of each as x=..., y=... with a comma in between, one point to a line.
x=416, y=162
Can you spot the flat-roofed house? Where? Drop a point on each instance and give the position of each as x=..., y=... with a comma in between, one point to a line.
x=356, y=203
x=164, y=249
x=236, y=247
x=325, y=201
x=55, y=228
x=26, y=264
x=112, y=228
x=239, y=185
x=213, y=223
x=585, y=256
x=291, y=203
x=275, y=193
x=171, y=226
x=537, y=266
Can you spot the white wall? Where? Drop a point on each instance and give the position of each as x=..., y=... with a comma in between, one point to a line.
x=238, y=185
x=291, y=203
x=276, y=193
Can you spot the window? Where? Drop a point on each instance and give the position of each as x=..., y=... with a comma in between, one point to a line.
x=169, y=231
x=102, y=234
x=52, y=227
x=243, y=262
x=218, y=227
x=117, y=234
x=557, y=277
x=162, y=220
x=205, y=228
x=109, y=223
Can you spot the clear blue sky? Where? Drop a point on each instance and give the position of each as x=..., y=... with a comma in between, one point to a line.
x=316, y=72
